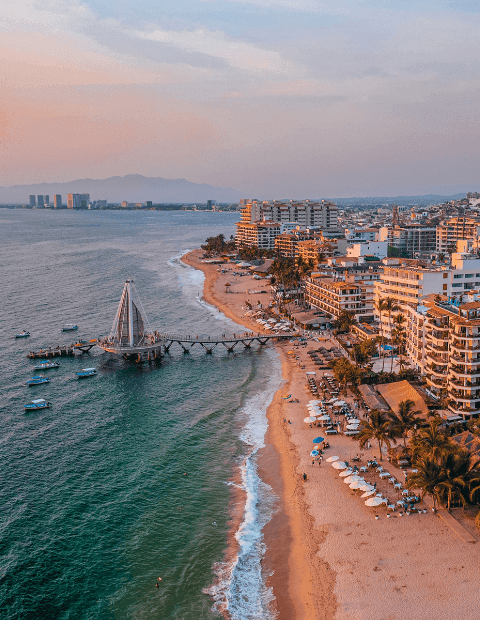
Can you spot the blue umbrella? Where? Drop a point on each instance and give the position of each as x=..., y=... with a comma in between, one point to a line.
x=314, y=453
x=318, y=440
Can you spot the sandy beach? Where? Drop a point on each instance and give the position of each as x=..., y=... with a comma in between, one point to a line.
x=330, y=558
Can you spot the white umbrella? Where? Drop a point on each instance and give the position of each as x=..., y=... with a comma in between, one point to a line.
x=346, y=472
x=353, y=478
x=356, y=484
x=350, y=427
x=367, y=487
x=339, y=403
x=354, y=421
x=374, y=501
x=310, y=419
x=339, y=465
x=314, y=402
x=325, y=418
x=368, y=493
x=332, y=458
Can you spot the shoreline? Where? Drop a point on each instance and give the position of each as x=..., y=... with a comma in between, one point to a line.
x=333, y=557
x=300, y=581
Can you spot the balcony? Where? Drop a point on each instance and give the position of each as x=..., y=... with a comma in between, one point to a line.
x=436, y=381
x=463, y=360
x=462, y=372
x=464, y=346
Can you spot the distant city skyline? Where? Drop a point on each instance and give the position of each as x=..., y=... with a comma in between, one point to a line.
x=274, y=98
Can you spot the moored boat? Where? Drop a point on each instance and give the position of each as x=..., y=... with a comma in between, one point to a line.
x=70, y=327
x=46, y=365
x=86, y=372
x=38, y=380
x=22, y=334
x=39, y=403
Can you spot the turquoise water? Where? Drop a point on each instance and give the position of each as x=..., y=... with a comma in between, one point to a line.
x=94, y=503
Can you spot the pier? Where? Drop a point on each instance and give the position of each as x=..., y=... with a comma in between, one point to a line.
x=132, y=338
x=63, y=351
x=229, y=342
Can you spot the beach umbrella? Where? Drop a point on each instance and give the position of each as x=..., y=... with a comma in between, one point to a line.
x=314, y=402
x=346, y=472
x=314, y=453
x=367, y=487
x=374, y=501
x=350, y=427
x=353, y=478
x=310, y=419
x=332, y=458
x=339, y=465
x=368, y=493
x=318, y=440
x=324, y=417
x=356, y=484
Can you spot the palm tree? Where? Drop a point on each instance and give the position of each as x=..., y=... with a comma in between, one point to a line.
x=380, y=305
x=391, y=306
x=399, y=338
x=427, y=478
x=457, y=470
x=378, y=428
x=431, y=442
x=404, y=420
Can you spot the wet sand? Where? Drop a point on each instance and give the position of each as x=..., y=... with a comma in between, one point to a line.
x=330, y=557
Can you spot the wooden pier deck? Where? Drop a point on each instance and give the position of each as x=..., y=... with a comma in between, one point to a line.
x=62, y=351
x=229, y=342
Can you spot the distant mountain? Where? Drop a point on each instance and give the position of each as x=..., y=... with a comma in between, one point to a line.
x=132, y=187
x=427, y=199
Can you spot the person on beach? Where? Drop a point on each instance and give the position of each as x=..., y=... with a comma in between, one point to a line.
x=304, y=476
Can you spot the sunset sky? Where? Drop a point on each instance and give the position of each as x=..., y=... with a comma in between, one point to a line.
x=285, y=98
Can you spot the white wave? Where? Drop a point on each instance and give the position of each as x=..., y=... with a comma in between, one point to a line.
x=240, y=588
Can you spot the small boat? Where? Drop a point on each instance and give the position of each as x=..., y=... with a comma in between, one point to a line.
x=86, y=372
x=46, y=365
x=38, y=380
x=287, y=397
x=39, y=403
x=23, y=334
x=70, y=327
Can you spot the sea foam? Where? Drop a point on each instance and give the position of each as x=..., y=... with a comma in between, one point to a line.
x=240, y=590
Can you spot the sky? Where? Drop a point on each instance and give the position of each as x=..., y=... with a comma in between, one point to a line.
x=275, y=98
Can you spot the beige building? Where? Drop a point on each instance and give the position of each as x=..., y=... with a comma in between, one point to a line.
x=306, y=213
x=259, y=234
x=454, y=230
x=333, y=296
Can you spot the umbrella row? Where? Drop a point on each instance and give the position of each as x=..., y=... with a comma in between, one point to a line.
x=356, y=482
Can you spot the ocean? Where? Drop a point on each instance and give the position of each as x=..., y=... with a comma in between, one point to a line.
x=142, y=471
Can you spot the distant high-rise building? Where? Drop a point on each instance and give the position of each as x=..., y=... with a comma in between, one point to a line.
x=57, y=201
x=46, y=199
x=32, y=200
x=40, y=202
x=78, y=201
x=101, y=204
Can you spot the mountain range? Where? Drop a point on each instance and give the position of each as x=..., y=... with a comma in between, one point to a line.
x=132, y=188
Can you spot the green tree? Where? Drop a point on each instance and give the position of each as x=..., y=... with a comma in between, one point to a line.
x=345, y=321
x=430, y=442
x=376, y=428
x=399, y=339
x=380, y=305
x=404, y=420
x=391, y=306
x=457, y=470
x=427, y=478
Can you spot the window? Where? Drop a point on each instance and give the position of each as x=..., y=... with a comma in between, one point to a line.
x=445, y=287
x=456, y=285
x=445, y=275
x=469, y=275
x=456, y=276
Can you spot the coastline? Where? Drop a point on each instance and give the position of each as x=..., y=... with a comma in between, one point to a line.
x=301, y=583
x=333, y=557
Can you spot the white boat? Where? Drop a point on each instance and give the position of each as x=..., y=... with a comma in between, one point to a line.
x=46, y=365
x=39, y=403
x=86, y=372
x=23, y=334
x=70, y=327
